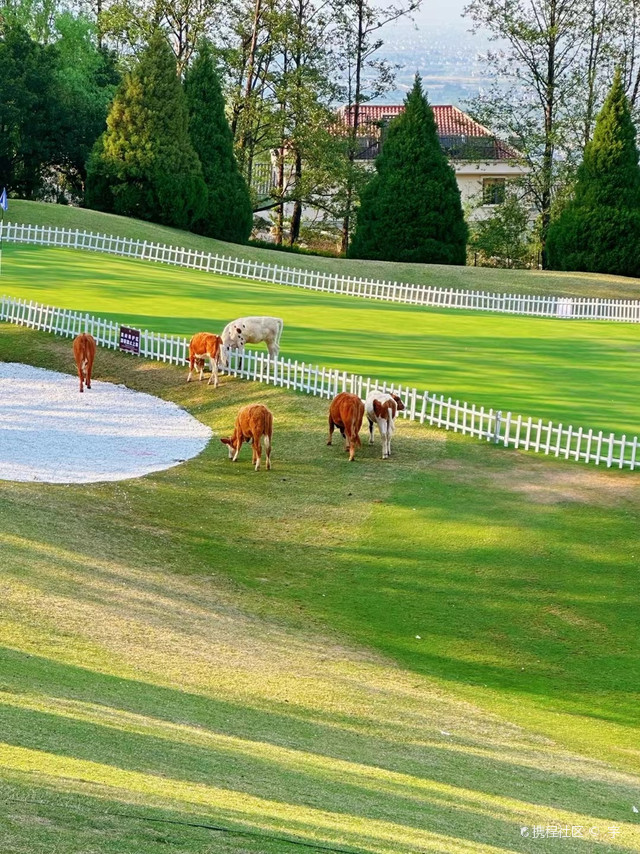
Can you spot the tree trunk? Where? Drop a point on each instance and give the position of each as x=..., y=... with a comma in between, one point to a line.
x=353, y=135
x=549, y=116
x=296, y=217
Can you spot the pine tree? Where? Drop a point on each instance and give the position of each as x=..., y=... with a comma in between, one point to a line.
x=410, y=210
x=599, y=229
x=229, y=213
x=144, y=164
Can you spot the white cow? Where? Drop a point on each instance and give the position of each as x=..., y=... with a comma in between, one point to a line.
x=381, y=409
x=251, y=330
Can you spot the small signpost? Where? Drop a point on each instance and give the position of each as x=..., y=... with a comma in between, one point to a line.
x=130, y=340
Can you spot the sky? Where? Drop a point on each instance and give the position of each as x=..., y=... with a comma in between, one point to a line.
x=440, y=13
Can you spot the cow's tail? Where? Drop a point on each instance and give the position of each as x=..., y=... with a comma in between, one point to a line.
x=356, y=424
x=268, y=429
x=279, y=332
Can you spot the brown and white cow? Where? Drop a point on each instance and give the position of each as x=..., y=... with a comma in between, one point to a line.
x=201, y=346
x=346, y=413
x=381, y=409
x=84, y=352
x=253, y=423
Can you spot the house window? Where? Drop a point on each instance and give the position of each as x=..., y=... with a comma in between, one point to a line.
x=493, y=191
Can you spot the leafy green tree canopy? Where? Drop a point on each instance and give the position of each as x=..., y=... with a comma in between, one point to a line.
x=29, y=115
x=229, y=213
x=502, y=238
x=410, y=210
x=144, y=165
x=599, y=229
x=88, y=79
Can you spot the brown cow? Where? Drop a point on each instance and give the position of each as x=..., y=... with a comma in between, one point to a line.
x=84, y=352
x=253, y=422
x=346, y=413
x=205, y=344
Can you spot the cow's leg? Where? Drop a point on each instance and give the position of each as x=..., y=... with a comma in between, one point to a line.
x=201, y=366
x=332, y=427
x=214, y=372
x=371, y=425
x=257, y=453
x=191, y=364
x=237, y=451
x=384, y=435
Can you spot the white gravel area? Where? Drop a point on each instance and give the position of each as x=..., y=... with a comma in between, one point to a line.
x=49, y=432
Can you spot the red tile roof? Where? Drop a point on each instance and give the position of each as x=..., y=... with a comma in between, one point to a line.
x=450, y=121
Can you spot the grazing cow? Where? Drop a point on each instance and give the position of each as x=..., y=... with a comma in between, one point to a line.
x=346, y=413
x=253, y=423
x=252, y=330
x=84, y=352
x=381, y=409
x=205, y=344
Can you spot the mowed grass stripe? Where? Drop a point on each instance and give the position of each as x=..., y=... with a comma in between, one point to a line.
x=574, y=372
x=544, y=282
x=218, y=643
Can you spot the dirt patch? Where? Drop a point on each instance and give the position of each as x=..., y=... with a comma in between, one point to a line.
x=546, y=482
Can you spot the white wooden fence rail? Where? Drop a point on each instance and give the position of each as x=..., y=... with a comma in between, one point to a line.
x=576, y=308
x=544, y=437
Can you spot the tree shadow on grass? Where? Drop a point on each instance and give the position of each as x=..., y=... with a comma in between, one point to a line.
x=120, y=726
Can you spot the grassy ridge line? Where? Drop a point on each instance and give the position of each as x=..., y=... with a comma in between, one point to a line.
x=459, y=278
x=215, y=645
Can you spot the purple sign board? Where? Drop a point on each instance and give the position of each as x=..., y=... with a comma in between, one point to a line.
x=130, y=340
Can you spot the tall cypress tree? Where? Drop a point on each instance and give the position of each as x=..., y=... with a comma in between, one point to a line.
x=144, y=164
x=229, y=213
x=410, y=210
x=599, y=230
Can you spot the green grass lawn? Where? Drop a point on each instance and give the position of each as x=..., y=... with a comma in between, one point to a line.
x=427, y=654
x=472, y=278
x=575, y=372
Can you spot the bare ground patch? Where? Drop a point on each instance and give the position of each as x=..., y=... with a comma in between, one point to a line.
x=550, y=482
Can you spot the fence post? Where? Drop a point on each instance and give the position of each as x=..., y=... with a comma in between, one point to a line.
x=496, y=437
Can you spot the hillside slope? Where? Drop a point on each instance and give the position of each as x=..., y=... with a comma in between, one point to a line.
x=471, y=278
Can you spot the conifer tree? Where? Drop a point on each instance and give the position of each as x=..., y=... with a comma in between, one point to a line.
x=144, y=164
x=229, y=213
x=410, y=210
x=599, y=229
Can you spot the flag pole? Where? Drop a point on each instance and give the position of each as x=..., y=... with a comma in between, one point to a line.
x=4, y=205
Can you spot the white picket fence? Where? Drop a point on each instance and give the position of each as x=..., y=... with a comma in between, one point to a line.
x=508, y=430
x=576, y=308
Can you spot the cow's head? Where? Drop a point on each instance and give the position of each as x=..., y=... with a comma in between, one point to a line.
x=399, y=404
x=232, y=442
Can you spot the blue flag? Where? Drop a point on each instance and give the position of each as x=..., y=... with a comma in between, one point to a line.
x=4, y=201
